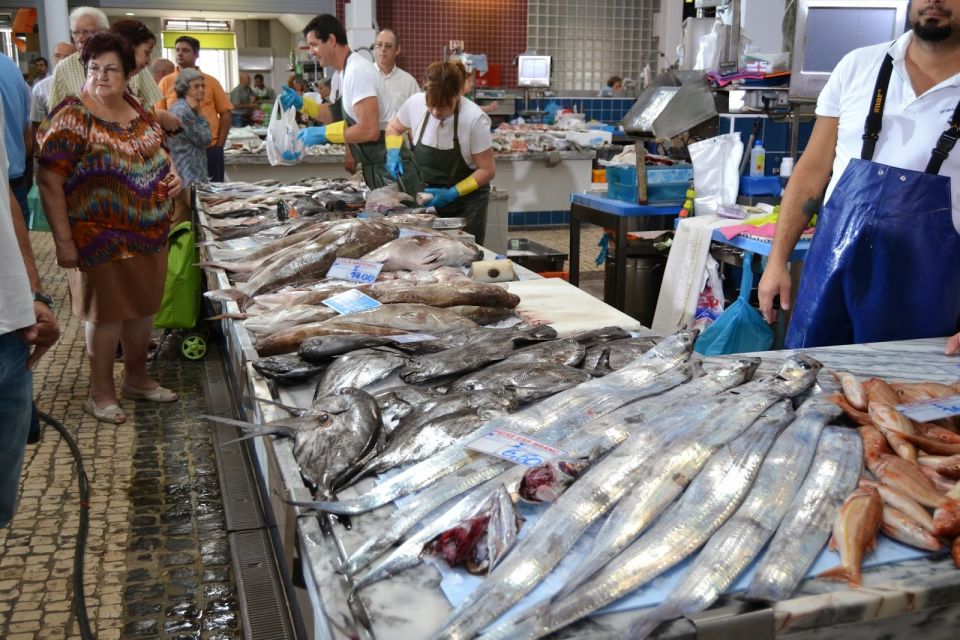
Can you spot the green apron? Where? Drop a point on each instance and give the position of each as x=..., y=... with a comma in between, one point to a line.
x=445, y=168
x=372, y=157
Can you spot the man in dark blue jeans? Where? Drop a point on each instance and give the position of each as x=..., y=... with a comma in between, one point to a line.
x=26, y=319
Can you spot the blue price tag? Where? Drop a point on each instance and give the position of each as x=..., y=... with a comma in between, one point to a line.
x=515, y=447
x=356, y=270
x=932, y=409
x=351, y=302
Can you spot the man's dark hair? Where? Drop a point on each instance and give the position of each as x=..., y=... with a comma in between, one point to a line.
x=106, y=42
x=258, y=76
x=45, y=61
x=193, y=42
x=324, y=26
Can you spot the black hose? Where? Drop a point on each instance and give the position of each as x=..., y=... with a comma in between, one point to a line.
x=79, y=599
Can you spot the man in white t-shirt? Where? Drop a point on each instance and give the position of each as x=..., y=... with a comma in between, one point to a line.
x=884, y=263
x=400, y=84
x=363, y=100
x=25, y=319
x=41, y=90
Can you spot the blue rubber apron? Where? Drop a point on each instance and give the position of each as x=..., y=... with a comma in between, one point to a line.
x=884, y=263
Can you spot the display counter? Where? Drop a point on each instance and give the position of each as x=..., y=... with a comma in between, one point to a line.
x=251, y=167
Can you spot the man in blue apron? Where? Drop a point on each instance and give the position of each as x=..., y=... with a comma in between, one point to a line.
x=884, y=263
x=363, y=100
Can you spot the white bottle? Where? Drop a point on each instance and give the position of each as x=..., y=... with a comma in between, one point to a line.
x=786, y=168
x=758, y=159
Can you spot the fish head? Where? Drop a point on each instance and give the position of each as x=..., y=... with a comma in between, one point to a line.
x=797, y=373
x=422, y=369
x=677, y=345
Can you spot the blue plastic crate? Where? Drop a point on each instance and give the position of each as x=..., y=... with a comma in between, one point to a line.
x=760, y=185
x=665, y=185
x=669, y=173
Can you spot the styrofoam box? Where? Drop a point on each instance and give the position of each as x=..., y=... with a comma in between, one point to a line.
x=588, y=138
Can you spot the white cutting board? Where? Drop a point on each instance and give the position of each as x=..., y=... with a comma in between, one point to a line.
x=566, y=308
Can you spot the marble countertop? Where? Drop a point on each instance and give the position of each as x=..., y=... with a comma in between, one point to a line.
x=261, y=158
x=564, y=155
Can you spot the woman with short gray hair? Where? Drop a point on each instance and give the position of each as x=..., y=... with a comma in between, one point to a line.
x=188, y=145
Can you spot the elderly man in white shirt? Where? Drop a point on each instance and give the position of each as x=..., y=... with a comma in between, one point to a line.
x=400, y=85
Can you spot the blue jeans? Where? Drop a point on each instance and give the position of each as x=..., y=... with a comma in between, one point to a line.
x=16, y=408
x=215, y=163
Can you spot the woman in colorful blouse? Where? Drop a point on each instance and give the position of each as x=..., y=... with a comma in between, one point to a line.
x=188, y=146
x=106, y=184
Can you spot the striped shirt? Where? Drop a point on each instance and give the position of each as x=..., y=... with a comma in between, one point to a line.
x=69, y=76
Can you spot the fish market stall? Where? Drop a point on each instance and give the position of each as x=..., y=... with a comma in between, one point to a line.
x=543, y=181
x=246, y=166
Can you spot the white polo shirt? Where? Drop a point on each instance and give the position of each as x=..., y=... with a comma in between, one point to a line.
x=400, y=86
x=473, y=127
x=361, y=80
x=912, y=124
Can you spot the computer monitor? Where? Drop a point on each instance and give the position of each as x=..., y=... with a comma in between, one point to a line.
x=829, y=29
x=533, y=71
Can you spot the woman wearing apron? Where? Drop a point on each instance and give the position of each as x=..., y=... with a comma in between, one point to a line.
x=453, y=148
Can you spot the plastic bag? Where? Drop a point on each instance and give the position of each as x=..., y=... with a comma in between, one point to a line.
x=710, y=301
x=740, y=328
x=283, y=147
x=716, y=171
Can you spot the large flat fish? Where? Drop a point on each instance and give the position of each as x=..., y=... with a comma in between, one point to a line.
x=549, y=540
x=359, y=369
x=806, y=526
x=424, y=252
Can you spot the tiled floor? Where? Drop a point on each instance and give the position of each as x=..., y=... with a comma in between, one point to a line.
x=591, y=275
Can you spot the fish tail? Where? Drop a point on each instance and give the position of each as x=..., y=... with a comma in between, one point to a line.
x=228, y=316
x=946, y=520
x=229, y=294
x=842, y=573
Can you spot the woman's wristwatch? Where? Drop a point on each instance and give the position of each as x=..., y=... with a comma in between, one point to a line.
x=40, y=296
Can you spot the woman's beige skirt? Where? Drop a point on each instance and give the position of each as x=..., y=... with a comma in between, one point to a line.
x=120, y=290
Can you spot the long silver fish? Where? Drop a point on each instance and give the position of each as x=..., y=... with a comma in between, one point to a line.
x=631, y=418
x=712, y=496
x=735, y=545
x=653, y=373
x=549, y=540
x=805, y=528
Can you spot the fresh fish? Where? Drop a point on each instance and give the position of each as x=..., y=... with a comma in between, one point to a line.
x=289, y=368
x=286, y=317
x=933, y=445
x=246, y=261
x=946, y=519
x=806, y=526
x=447, y=295
x=897, y=472
x=895, y=427
x=907, y=530
x=620, y=352
x=712, y=496
x=947, y=466
x=917, y=391
x=482, y=315
x=487, y=348
x=605, y=334
x=878, y=390
x=322, y=348
x=735, y=545
x=359, y=369
x=940, y=483
x=600, y=488
x=523, y=381
x=855, y=533
x=637, y=417
x=901, y=502
x=852, y=389
x=479, y=541
x=424, y=252
x=397, y=403
x=289, y=340
x=315, y=295
x=656, y=372
x=548, y=481
x=936, y=432
x=567, y=351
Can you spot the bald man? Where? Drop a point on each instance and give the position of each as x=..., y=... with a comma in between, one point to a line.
x=244, y=101
x=160, y=68
x=41, y=90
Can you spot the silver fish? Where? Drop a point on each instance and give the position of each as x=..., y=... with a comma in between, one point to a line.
x=287, y=368
x=424, y=252
x=359, y=369
x=633, y=418
x=620, y=352
x=567, y=351
x=806, y=526
x=656, y=372
x=735, y=545
x=712, y=496
x=549, y=540
x=322, y=348
x=397, y=403
x=523, y=381
x=286, y=317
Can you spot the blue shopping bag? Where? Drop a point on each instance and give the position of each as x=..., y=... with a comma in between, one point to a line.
x=740, y=328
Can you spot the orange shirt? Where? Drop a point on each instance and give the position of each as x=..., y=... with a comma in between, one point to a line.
x=215, y=100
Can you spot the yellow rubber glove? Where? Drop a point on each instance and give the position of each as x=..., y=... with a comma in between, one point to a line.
x=394, y=142
x=467, y=185
x=335, y=130
x=311, y=107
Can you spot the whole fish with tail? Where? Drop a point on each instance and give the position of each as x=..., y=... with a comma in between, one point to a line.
x=634, y=418
x=549, y=540
x=567, y=410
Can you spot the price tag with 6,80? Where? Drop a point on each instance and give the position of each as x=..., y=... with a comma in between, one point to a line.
x=515, y=447
x=932, y=409
x=356, y=270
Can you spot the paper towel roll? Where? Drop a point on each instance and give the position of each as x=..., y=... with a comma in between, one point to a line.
x=492, y=270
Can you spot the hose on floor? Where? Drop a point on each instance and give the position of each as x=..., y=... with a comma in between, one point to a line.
x=79, y=598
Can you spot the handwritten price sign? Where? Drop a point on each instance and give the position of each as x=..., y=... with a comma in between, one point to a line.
x=355, y=270
x=515, y=447
x=933, y=409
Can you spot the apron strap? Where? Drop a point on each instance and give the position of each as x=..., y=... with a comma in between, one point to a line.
x=945, y=144
x=874, y=121
x=456, y=144
x=423, y=127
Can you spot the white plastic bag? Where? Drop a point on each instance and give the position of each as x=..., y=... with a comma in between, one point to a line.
x=283, y=147
x=716, y=171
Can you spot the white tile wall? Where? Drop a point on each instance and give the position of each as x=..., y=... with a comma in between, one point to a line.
x=591, y=40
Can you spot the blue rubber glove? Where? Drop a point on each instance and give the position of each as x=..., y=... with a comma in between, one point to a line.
x=394, y=163
x=442, y=197
x=312, y=136
x=290, y=98
x=290, y=156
